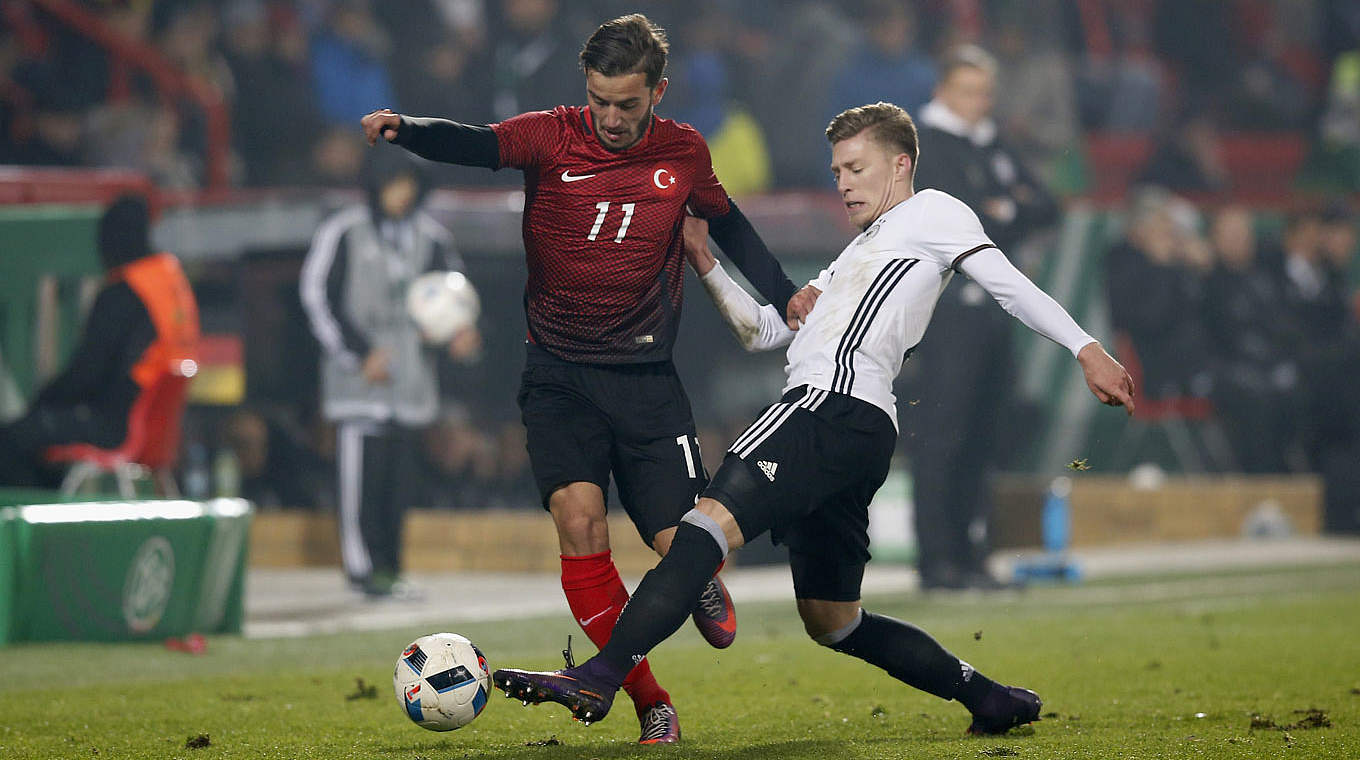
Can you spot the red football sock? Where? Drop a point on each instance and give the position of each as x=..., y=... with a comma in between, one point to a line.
x=596, y=596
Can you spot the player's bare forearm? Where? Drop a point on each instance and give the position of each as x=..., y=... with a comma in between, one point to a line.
x=697, y=252
x=1108, y=380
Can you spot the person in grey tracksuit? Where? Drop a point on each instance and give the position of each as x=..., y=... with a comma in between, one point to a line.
x=378, y=378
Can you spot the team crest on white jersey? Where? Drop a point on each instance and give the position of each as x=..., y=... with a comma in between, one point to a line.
x=768, y=468
x=868, y=234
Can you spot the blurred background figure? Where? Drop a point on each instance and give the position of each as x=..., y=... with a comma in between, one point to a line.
x=735, y=139
x=379, y=381
x=142, y=329
x=533, y=64
x=962, y=386
x=888, y=63
x=349, y=60
x=1254, y=339
x=1153, y=283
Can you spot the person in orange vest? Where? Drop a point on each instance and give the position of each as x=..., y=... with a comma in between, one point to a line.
x=143, y=323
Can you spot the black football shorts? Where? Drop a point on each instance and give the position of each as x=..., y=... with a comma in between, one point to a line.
x=806, y=470
x=584, y=422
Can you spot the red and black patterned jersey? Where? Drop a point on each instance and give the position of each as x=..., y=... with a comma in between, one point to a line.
x=602, y=232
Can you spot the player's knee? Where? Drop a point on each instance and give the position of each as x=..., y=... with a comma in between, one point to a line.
x=579, y=516
x=827, y=622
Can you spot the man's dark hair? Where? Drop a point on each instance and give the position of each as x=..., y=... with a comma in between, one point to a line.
x=891, y=127
x=629, y=44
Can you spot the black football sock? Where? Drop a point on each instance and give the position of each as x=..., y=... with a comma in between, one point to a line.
x=910, y=655
x=660, y=605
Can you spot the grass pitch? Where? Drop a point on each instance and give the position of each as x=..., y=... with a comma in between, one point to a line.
x=1265, y=664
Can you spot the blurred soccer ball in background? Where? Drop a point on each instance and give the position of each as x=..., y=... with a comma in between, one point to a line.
x=442, y=681
x=441, y=304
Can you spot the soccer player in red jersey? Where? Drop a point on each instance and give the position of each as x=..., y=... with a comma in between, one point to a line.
x=606, y=189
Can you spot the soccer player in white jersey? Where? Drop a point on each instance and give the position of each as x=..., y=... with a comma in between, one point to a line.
x=807, y=468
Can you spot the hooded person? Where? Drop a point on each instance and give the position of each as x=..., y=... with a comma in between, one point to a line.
x=379, y=381
x=143, y=324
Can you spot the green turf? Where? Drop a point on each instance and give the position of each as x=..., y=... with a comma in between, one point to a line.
x=1167, y=668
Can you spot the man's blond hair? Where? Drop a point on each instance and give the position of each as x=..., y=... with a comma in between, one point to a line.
x=890, y=124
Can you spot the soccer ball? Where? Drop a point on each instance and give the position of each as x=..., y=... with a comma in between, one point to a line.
x=441, y=304
x=442, y=681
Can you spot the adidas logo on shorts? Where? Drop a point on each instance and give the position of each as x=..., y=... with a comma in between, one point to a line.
x=768, y=468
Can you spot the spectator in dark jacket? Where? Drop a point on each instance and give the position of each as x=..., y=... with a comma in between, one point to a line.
x=964, y=392
x=143, y=320
x=1154, y=294
x=1253, y=337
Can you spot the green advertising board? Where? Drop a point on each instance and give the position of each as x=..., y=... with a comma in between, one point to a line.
x=111, y=571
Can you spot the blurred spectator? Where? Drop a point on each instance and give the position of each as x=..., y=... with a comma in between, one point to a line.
x=964, y=394
x=1258, y=385
x=337, y=157
x=1195, y=38
x=349, y=63
x=1313, y=287
x=1036, y=104
x=704, y=101
x=963, y=154
x=1154, y=289
x=887, y=64
x=143, y=323
x=267, y=55
x=806, y=47
x=534, y=59
x=1120, y=87
x=440, y=47
x=1188, y=158
x=57, y=134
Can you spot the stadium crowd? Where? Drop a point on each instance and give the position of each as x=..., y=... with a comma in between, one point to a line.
x=759, y=78
x=1218, y=301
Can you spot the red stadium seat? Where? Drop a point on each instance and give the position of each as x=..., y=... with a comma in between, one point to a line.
x=151, y=445
x=1172, y=415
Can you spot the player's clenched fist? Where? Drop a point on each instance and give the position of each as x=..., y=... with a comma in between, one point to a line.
x=800, y=306
x=381, y=122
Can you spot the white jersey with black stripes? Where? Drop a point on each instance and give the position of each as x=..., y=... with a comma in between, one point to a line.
x=879, y=294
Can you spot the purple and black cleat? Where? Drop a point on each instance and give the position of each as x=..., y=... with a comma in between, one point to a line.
x=715, y=616
x=1005, y=709
x=587, y=702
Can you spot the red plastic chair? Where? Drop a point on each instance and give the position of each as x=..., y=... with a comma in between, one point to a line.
x=1171, y=415
x=151, y=446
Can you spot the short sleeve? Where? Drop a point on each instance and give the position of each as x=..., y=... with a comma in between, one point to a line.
x=952, y=231
x=707, y=197
x=530, y=139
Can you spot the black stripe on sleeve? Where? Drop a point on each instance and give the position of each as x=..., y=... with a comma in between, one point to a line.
x=959, y=258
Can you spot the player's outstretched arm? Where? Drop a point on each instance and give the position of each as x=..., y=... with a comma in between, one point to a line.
x=757, y=328
x=440, y=140
x=1025, y=301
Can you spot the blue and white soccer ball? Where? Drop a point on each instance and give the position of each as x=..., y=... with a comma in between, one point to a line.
x=441, y=304
x=442, y=681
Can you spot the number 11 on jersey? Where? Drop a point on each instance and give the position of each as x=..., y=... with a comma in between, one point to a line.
x=603, y=206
